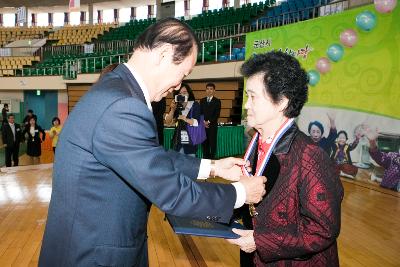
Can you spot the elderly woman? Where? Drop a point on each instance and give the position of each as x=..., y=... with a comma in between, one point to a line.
x=316, y=131
x=298, y=221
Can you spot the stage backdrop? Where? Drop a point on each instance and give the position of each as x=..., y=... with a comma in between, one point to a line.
x=353, y=61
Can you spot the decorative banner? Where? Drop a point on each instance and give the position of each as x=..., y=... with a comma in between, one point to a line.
x=21, y=15
x=366, y=78
x=359, y=88
x=74, y=5
x=88, y=48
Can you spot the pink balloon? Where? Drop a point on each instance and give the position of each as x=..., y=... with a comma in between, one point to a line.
x=348, y=37
x=323, y=65
x=385, y=6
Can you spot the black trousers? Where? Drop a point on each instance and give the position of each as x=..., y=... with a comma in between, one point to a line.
x=12, y=152
x=210, y=144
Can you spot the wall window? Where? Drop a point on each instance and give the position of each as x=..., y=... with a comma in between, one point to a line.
x=9, y=20
x=125, y=14
x=42, y=19
x=58, y=19
x=75, y=18
x=108, y=15
x=179, y=8
x=141, y=12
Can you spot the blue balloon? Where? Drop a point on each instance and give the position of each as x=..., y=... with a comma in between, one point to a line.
x=335, y=52
x=313, y=77
x=366, y=20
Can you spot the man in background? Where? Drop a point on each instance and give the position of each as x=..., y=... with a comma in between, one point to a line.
x=12, y=135
x=210, y=107
x=4, y=112
x=29, y=116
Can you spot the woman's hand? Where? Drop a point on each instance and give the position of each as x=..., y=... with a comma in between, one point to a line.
x=173, y=105
x=182, y=117
x=371, y=134
x=246, y=240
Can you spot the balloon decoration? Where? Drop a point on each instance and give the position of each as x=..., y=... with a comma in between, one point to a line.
x=385, y=6
x=313, y=77
x=366, y=20
x=323, y=65
x=335, y=52
x=349, y=37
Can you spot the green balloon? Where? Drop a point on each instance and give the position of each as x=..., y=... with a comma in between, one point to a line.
x=313, y=77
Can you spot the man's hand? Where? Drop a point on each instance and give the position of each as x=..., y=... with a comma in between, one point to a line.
x=255, y=188
x=207, y=124
x=246, y=240
x=229, y=168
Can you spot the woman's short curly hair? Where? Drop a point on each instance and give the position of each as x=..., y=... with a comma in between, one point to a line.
x=283, y=77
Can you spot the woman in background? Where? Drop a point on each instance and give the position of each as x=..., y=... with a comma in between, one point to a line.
x=316, y=131
x=34, y=150
x=390, y=161
x=183, y=113
x=341, y=154
x=55, y=132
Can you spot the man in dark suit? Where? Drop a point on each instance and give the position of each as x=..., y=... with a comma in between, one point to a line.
x=210, y=107
x=12, y=135
x=109, y=166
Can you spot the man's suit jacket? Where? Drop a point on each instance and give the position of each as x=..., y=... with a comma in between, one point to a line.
x=211, y=110
x=8, y=137
x=108, y=168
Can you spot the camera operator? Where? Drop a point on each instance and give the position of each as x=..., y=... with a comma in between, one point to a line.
x=184, y=110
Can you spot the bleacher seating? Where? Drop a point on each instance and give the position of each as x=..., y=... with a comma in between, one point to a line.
x=228, y=16
x=207, y=19
x=95, y=62
x=222, y=49
x=9, y=65
x=8, y=35
x=70, y=35
x=214, y=49
x=290, y=11
x=129, y=31
x=88, y=63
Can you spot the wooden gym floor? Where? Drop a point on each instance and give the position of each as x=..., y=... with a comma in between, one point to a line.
x=370, y=234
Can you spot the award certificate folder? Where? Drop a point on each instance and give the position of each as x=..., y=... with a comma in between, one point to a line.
x=188, y=226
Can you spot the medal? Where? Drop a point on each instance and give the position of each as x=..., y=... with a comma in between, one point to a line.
x=260, y=169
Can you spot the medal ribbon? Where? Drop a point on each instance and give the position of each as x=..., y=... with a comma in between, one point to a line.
x=253, y=145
